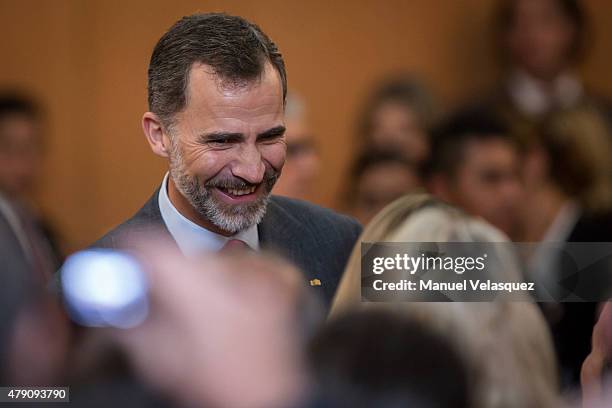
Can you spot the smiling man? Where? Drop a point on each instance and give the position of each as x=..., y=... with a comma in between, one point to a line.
x=217, y=87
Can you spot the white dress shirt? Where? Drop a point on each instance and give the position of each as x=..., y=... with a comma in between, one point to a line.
x=192, y=238
x=535, y=98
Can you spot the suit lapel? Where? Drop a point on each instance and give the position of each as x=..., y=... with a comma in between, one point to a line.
x=281, y=232
x=278, y=230
x=149, y=216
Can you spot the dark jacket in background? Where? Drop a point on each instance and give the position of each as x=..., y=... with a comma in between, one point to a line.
x=573, y=331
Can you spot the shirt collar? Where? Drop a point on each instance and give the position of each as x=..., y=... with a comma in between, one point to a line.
x=192, y=238
x=533, y=97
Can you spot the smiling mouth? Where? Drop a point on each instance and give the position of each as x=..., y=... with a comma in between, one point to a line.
x=234, y=192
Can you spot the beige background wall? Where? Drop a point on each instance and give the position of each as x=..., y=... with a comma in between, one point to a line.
x=86, y=60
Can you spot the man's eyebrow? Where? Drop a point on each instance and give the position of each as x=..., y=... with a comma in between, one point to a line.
x=274, y=132
x=233, y=137
x=220, y=137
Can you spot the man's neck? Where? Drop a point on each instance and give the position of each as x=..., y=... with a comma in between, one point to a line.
x=186, y=209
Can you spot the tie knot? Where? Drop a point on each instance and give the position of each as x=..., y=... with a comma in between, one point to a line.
x=235, y=245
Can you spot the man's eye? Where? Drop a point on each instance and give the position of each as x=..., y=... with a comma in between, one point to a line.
x=270, y=138
x=220, y=142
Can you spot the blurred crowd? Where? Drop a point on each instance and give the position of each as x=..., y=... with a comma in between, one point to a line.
x=528, y=161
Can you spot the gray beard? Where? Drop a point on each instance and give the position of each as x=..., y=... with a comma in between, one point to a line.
x=228, y=218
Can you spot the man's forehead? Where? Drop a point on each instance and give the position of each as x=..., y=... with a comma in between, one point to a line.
x=204, y=81
x=215, y=105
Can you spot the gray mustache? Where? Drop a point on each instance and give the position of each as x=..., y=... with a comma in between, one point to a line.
x=238, y=184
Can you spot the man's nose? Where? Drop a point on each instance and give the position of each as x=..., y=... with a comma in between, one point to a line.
x=249, y=165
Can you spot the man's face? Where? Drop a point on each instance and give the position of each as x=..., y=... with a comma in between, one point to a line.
x=19, y=154
x=228, y=147
x=540, y=38
x=379, y=186
x=487, y=183
x=397, y=127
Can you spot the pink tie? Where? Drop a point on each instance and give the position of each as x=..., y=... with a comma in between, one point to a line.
x=234, y=245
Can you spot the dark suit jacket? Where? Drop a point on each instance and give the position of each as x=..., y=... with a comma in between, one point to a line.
x=15, y=281
x=315, y=239
x=572, y=333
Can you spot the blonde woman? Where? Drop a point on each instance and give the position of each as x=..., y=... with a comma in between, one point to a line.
x=506, y=344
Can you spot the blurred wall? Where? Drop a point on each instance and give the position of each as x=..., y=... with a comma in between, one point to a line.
x=87, y=61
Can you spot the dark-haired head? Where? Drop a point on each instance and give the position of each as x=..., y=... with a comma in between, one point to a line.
x=378, y=178
x=474, y=165
x=15, y=103
x=384, y=359
x=542, y=37
x=396, y=116
x=217, y=88
x=20, y=143
x=450, y=138
x=236, y=50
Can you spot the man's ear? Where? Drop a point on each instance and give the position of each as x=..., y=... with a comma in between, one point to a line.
x=155, y=134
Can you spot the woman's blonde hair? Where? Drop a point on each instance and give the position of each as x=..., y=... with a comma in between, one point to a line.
x=506, y=345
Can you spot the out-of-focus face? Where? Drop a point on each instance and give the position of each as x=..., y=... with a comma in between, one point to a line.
x=233, y=321
x=302, y=163
x=396, y=127
x=19, y=154
x=228, y=149
x=380, y=185
x=487, y=183
x=540, y=38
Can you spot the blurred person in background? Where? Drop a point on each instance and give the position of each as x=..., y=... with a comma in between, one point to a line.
x=474, y=165
x=302, y=164
x=541, y=43
x=21, y=155
x=568, y=198
x=377, y=179
x=217, y=87
x=567, y=179
x=419, y=218
x=34, y=331
x=396, y=117
x=230, y=333
x=506, y=345
x=382, y=358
